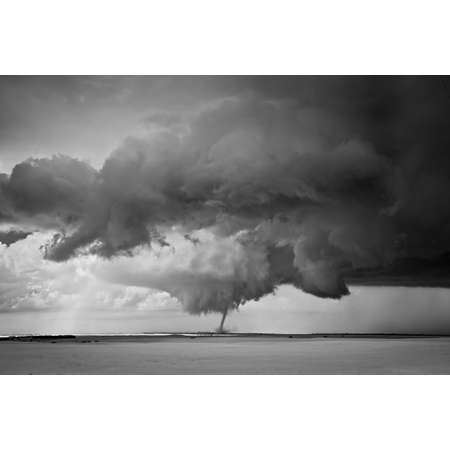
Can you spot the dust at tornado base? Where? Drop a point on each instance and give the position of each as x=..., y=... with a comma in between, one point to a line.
x=227, y=355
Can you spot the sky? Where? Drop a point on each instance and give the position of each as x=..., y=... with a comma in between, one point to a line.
x=290, y=204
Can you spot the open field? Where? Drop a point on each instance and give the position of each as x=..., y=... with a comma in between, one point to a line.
x=226, y=354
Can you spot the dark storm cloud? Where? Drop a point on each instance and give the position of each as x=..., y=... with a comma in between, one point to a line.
x=314, y=180
x=11, y=236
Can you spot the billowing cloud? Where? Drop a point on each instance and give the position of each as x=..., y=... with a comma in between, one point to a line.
x=307, y=186
x=30, y=282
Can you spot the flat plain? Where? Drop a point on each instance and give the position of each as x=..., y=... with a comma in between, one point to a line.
x=226, y=354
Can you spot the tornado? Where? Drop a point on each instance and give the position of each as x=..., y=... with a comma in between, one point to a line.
x=222, y=321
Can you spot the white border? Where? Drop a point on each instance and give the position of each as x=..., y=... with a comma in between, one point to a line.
x=224, y=412
x=233, y=37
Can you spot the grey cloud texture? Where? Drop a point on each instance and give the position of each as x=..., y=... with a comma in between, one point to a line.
x=30, y=283
x=298, y=181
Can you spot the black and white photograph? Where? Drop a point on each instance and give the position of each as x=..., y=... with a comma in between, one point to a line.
x=224, y=225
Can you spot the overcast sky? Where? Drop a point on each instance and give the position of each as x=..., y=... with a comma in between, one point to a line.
x=177, y=196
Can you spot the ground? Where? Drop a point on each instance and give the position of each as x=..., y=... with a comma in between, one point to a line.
x=227, y=355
